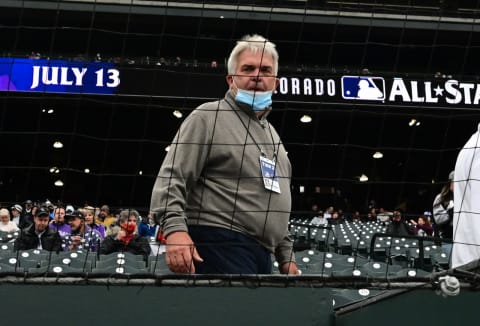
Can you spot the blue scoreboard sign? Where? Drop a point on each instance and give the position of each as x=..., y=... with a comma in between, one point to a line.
x=58, y=76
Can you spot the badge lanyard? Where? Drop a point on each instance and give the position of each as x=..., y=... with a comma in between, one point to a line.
x=267, y=166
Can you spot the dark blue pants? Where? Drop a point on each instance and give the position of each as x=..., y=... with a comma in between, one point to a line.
x=229, y=252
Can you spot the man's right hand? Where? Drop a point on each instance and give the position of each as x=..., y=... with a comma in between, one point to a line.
x=181, y=253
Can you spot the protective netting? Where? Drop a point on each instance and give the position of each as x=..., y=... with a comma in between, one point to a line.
x=153, y=62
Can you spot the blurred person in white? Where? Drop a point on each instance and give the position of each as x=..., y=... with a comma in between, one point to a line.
x=319, y=220
x=5, y=224
x=443, y=213
x=466, y=214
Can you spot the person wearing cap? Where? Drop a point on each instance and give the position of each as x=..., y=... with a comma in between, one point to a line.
x=466, y=212
x=5, y=224
x=81, y=236
x=127, y=238
x=39, y=235
x=69, y=209
x=51, y=209
x=443, y=212
x=16, y=214
x=58, y=223
x=19, y=217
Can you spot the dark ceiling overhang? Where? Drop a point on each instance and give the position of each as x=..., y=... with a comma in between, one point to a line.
x=414, y=17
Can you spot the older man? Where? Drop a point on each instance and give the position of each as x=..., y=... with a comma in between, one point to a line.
x=223, y=191
x=81, y=235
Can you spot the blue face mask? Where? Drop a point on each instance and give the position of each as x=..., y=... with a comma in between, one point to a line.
x=257, y=100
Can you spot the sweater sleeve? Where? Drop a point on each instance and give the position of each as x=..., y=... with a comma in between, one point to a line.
x=284, y=251
x=180, y=170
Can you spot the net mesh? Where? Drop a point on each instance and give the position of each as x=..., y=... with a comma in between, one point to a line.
x=172, y=58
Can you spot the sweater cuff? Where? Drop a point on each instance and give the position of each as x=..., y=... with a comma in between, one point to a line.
x=174, y=224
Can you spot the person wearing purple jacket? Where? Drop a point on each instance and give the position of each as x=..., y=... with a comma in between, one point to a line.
x=89, y=213
x=58, y=223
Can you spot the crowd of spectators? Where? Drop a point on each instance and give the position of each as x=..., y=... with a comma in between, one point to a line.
x=58, y=227
x=395, y=222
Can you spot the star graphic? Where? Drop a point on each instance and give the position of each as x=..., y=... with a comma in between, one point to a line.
x=438, y=91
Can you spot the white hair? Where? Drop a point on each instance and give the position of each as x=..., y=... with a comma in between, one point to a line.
x=4, y=212
x=252, y=43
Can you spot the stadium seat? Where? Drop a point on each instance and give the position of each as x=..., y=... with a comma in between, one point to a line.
x=440, y=259
x=66, y=261
x=119, y=269
x=77, y=258
x=120, y=259
x=126, y=255
x=34, y=254
x=59, y=269
x=9, y=268
x=158, y=266
x=6, y=247
x=409, y=273
x=8, y=236
x=21, y=260
x=376, y=269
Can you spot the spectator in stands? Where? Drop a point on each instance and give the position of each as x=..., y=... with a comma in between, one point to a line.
x=422, y=226
x=69, y=209
x=372, y=215
x=335, y=219
x=147, y=227
x=51, y=209
x=399, y=227
x=319, y=219
x=5, y=224
x=443, y=212
x=383, y=216
x=356, y=217
x=105, y=217
x=428, y=216
x=17, y=216
x=28, y=212
x=328, y=213
x=81, y=236
x=126, y=239
x=58, y=223
x=219, y=194
x=89, y=213
x=39, y=235
x=313, y=211
x=466, y=226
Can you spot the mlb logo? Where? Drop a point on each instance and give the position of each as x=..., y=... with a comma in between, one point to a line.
x=363, y=88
